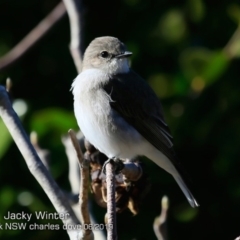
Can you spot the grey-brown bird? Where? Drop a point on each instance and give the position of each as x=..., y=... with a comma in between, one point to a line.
x=119, y=113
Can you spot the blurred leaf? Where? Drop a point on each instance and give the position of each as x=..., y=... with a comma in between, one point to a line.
x=53, y=119
x=161, y=85
x=177, y=109
x=217, y=65
x=168, y=86
x=196, y=10
x=5, y=138
x=172, y=26
x=203, y=67
x=7, y=197
x=234, y=12
x=185, y=214
x=180, y=85
x=194, y=61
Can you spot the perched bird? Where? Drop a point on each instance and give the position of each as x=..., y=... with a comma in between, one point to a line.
x=119, y=113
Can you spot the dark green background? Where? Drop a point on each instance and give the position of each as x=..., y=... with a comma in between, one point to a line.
x=178, y=48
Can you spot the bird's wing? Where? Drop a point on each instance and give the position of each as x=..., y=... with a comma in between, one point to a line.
x=136, y=102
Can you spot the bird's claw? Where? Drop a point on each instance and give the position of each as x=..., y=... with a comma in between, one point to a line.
x=118, y=165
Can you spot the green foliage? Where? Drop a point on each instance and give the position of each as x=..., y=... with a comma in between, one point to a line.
x=7, y=197
x=57, y=121
x=204, y=64
x=5, y=139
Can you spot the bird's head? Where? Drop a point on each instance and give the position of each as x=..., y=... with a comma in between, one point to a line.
x=107, y=54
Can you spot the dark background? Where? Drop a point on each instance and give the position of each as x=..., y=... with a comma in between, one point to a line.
x=181, y=48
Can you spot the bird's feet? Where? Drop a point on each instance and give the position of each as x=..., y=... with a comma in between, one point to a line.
x=118, y=165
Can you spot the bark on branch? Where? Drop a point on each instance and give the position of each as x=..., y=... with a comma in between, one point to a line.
x=111, y=203
x=74, y=10
x=83, y=191
x=34, y=163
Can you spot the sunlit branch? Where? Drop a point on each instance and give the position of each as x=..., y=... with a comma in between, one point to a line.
x=84, y=185
x=74, y=10
x=34, y=163
x=31, y=38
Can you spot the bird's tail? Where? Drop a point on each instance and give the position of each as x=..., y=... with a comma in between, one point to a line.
x=174, y=168
x=192, y=201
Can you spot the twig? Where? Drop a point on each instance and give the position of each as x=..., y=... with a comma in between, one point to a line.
x=8, y=84
x=36, y=34
x=73, y=172
x=159, y=225
x=74, y=10
x=42, y=153
x=34, y=163
x=74, y=179
x=111, y=204
x=83, y=192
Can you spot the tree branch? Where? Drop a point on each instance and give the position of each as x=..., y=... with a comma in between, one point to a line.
x=34, y=163
x=74, y=177
x=159, y=225
x=74, y=10
x=36, y=34
x=83, y=191
x=42, y=153
x=111, y=203
x=73, y=172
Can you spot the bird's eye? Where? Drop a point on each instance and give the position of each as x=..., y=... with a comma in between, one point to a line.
x=104, y=54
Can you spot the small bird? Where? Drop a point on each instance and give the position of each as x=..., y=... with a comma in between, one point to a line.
x=119, y=113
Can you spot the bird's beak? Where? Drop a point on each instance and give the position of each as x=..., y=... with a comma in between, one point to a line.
x=124, y=55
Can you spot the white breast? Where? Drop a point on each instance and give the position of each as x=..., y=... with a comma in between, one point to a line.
x=101, y=125
x=91, y=114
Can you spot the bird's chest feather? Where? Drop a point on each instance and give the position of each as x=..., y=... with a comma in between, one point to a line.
x=92, y=104
x=101, y=124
